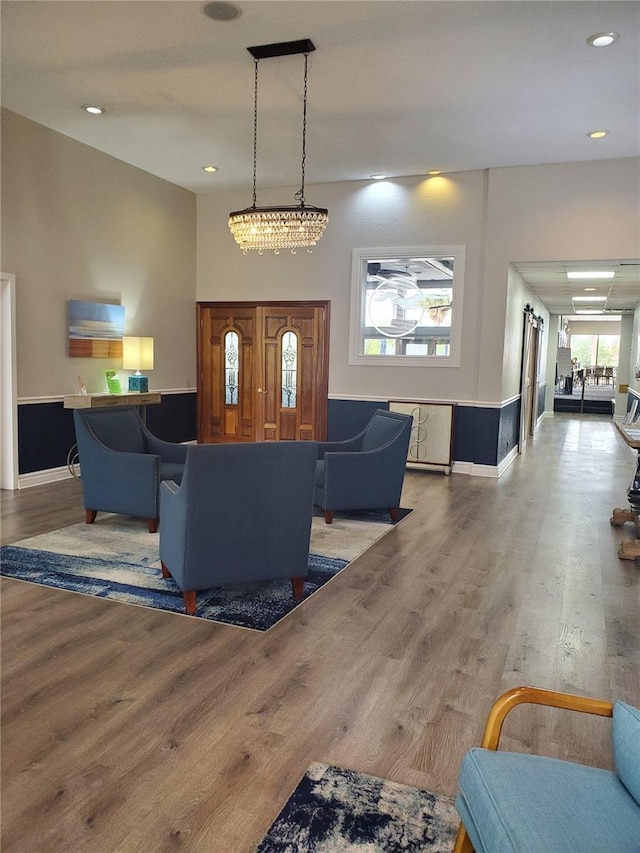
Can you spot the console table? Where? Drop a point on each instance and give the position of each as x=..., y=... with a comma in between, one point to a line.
x=630, y=548
x=100, y=401
x=103, y=401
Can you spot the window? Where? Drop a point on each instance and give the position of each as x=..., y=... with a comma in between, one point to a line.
x=406, y=306
x=231, y=367
x=289, y=370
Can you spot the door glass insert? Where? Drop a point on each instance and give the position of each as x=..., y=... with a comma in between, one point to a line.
x=289, y=370
x=231, y=368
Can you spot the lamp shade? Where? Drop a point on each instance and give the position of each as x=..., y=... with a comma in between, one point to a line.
x=137, y=353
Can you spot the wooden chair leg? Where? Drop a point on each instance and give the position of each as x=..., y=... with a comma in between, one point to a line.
x=152, y=524
x=328, y=516
x=394, y=512
x=165, y=571
x=463, y=842
x=298, y=588
x=90, y=515
x=190, y=602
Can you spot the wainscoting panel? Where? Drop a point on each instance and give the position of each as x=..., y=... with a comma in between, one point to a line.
x=46, y=432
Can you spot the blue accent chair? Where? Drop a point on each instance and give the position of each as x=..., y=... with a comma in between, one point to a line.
x=122, y=464
x=512, y=801
x=366, y=471
x=241, y=514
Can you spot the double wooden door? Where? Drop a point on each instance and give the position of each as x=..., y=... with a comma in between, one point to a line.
x=262, y=371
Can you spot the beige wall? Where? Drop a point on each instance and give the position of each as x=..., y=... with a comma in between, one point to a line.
x=536, y=213
x=78, y=224
x=562, y=211
x=402, y=212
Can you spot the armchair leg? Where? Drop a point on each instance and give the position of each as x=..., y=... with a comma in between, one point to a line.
x=152, y=524
x=394, y=512
x=463, y=842
x=165, y=571
x=298, y=588
x=90, y=515
x=190, y=602
x=328, y=516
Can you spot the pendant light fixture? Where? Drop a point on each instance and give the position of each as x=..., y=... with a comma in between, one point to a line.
x=282, y=227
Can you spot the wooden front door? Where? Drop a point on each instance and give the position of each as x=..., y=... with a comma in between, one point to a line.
x=262, y=371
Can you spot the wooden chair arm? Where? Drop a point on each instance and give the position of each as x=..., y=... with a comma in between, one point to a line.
x=537, y=696
x=532, y=696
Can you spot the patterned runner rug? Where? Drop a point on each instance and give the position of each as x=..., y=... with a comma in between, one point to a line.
x=339, y=811
x=117, y=558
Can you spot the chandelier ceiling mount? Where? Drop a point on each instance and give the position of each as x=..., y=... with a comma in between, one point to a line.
x=279, y=227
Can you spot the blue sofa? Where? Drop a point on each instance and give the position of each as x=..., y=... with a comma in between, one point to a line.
x=519, y=803
x=122, y=464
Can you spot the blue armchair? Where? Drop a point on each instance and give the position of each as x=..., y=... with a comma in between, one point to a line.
x=122, y=464
x=366, y=471
x=241, y=514
x=519, y=803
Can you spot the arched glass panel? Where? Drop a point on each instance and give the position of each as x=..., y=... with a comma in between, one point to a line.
x=289, y=370
x=231, y=368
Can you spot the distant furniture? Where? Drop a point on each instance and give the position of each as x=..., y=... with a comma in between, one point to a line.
x=122, y=463
x=431, y=442
x=511, y=802
x=366, y=471
x=630, y=548
x=241, y=514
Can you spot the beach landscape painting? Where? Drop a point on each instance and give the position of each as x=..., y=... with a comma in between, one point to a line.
x=95, y=329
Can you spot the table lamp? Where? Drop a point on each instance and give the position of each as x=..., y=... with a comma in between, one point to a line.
x=137, y=354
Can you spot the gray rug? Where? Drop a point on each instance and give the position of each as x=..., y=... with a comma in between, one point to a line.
x=117, y=558
x=334, y=811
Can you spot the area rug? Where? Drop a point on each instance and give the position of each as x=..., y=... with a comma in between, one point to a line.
x=117, y=558
x=334, y=810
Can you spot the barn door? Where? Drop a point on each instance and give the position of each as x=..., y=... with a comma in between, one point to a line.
x=263, y=371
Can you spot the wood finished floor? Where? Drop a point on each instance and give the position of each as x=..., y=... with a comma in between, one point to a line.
x=125, y=729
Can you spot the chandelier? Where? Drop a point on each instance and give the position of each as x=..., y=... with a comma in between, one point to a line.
x=282, y=227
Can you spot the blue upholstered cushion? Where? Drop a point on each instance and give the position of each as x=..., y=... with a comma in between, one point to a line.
x=320, y=472
x=171, y=471
x=118, y=430
x=380, y=430
x=626, y=748
x=532, y=804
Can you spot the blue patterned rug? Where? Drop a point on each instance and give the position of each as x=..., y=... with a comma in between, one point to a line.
x=334, y=810
x=117, y=558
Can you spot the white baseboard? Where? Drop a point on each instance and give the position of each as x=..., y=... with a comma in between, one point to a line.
x=41, y=478
x=492, y=471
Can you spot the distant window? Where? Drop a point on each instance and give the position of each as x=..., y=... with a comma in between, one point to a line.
x=406, y=306
x=231, y=368
x=289, y=370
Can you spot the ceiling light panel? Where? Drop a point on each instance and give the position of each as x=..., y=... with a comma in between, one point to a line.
x=587, y=274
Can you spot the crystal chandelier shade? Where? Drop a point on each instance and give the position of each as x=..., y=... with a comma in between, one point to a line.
x=282, y=227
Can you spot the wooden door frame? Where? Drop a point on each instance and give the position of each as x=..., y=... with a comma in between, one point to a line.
x=323, y=387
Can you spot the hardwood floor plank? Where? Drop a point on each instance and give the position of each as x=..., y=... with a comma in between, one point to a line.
x=127, y=729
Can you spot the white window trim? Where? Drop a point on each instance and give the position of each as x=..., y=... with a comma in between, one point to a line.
x=359, y=257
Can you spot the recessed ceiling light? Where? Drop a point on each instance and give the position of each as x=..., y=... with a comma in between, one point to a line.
x=588, y=298
x=602, y=39
x=590, y=274
x=378, y=177
x=597, y=134
x=588, y=311
x=209, y=168
x=587, y=289
x=434, y=172
x=220, y=11
x=93, y=109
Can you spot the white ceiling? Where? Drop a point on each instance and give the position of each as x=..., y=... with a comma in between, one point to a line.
x=549, y=282
x=394, y=87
